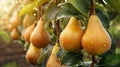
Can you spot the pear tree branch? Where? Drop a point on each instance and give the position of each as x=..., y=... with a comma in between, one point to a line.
x=92, y=9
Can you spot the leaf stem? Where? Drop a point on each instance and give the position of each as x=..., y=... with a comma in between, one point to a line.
x=92, y=9
x=93, y=61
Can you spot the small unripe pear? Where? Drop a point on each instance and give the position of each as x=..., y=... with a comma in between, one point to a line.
x=27, y=33
x=39, y=37
x=14, y=34
x=33, y=54
x=53, y=61
x=15, y=20
x=96, y=39
x=70, y=37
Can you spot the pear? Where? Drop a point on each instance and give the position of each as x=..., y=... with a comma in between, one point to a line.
x=27, y=33
x=96, y=39
x=33, y=54
x=39, y=37
x=70, y=37
x=10, y=28
x=15, y=20
x=27, y=21
x=53, y=61
x=14, y=34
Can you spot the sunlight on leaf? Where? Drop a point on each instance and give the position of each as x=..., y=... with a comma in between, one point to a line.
x=30, y=7
x=5, y=36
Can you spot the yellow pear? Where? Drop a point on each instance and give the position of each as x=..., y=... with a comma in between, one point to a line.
x=39, y=37
x=14, y=34
x=15, y=20
x=33, y=54
x=96, y=39
x=10, y=28
x=53, y=61
x=70, y=37
x=27, y=21
x=27, y=33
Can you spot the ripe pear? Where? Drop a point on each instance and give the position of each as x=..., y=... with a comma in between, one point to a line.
x=39, y=37
x=53, y=61
x=33, y=54
x=14, y=34
x=27, y=21
x=70, y=37
x=27, y=33
x=96, y=39
x=15, y=20
x=10, y=28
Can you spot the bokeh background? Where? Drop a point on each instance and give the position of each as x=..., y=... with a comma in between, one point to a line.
x=12, y=54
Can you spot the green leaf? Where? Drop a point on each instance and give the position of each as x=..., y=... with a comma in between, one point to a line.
x=5, y=36
x=44, y=55
x=11, y=64
x=30, y=7
x=103, y=17
x=115, y=4
x=81, y=5
x=26, y=9
x=51, y=11
x=70, y=58
x=67, y=10
x=110, y=61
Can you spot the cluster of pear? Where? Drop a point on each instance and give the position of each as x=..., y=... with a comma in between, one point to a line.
x=13, y=26
x=95, y=40
x=37, y=36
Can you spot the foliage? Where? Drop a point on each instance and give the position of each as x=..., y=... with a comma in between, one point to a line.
x=11, y=64
x=5, y=36
x=63, y=11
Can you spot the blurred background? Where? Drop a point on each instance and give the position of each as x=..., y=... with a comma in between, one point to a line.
x=12, y=54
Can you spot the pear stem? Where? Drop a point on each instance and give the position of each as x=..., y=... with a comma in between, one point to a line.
x=56, y=2
x=58, y=30
x=93, y=61
x=92, y=9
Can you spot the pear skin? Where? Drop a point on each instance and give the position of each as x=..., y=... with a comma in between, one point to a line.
x=15, y=20
x=39, y=37
x=96, y=39
x=14, y=34
x=27, y=33
x=10, y=28
x=27, y=21
x=33, y=54
x=53, y=61
x=70, y=37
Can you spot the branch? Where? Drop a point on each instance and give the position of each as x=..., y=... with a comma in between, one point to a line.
x=92, y=9
x=58, y=30
x=93, y=61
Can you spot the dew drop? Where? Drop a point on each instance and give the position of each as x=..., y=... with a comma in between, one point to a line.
x=105, y=45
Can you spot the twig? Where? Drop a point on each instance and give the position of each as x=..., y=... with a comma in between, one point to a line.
x=56, y=2
x=93, y=61
x=92, y=9
x=58, y=30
